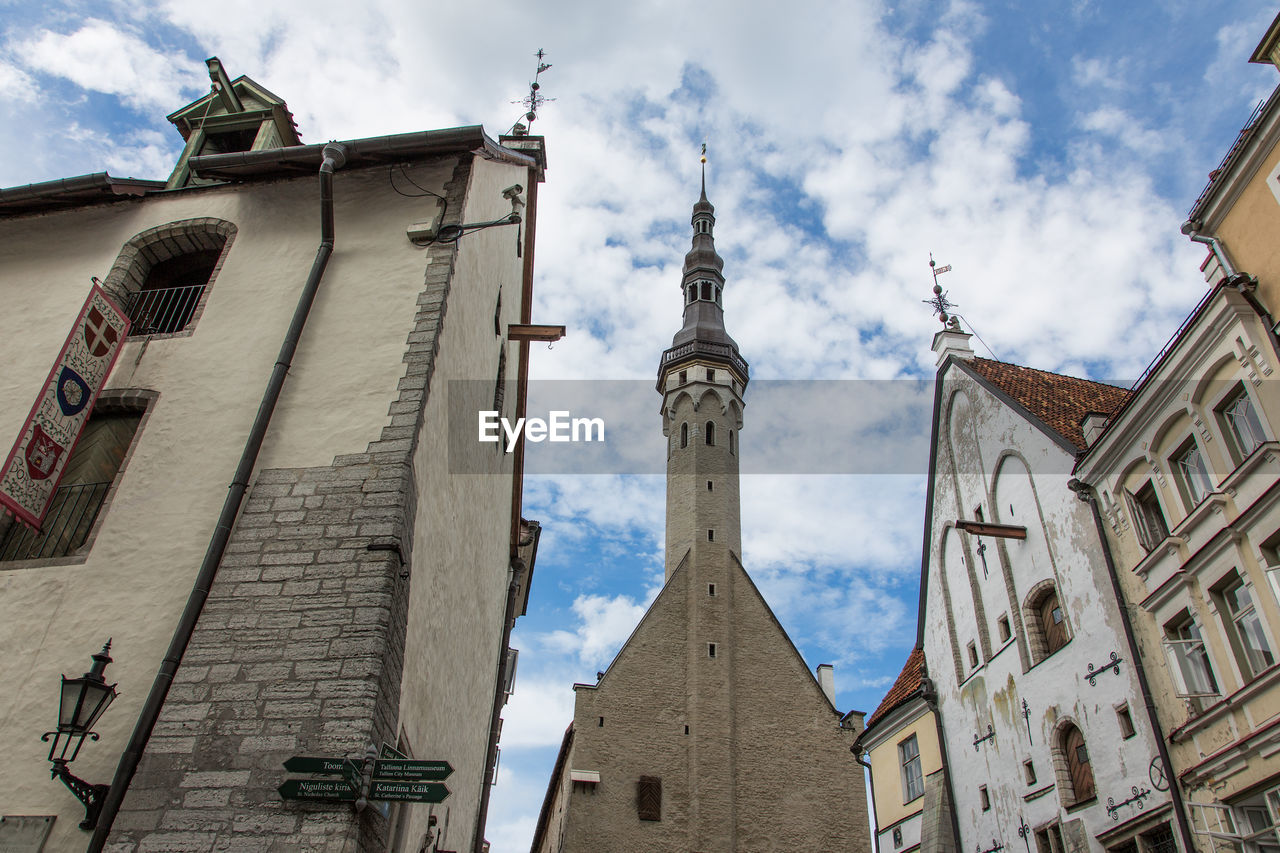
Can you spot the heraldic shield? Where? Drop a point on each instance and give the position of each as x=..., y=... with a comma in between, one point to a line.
x=42, y=454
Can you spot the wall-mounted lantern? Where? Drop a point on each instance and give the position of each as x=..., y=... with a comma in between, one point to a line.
x=80, y=704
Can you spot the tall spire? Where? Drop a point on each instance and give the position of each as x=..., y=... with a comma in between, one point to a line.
x=702, y=379
x=703, y=280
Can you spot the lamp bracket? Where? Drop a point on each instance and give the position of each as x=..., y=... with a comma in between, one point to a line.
x=91, y=795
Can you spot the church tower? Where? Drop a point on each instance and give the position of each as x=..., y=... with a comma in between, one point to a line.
x=702, y=379
x=708, y=732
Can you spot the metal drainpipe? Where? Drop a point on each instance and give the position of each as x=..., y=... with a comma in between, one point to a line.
x=1087, y=494
x=858, y=753
x=335, y=156
x=1190, y=227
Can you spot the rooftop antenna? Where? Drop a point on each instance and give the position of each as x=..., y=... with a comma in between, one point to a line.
x=944, y=307
x=532, y=101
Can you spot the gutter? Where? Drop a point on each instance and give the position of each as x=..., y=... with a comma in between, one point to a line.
x=1086, y=493
x=859, y=755
x=371, y=151
x=334, y=157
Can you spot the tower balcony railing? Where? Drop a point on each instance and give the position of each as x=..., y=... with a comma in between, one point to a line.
x=692, y=349
x=163, y=310
x=66, y=525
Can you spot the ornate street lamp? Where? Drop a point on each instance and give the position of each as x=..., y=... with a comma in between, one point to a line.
x=80, y=705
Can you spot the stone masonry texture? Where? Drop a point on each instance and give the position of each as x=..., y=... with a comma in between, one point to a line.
x=300, y=647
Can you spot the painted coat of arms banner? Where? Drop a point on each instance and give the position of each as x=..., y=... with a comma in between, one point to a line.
x=30, y=475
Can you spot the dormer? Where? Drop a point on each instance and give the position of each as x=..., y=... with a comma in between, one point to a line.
x=236, y=115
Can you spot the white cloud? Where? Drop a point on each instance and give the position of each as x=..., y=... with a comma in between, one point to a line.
x=606, y=622
x=102, y=58
x=16, y=84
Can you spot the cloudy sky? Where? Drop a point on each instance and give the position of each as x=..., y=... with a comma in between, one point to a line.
x=1047, y=151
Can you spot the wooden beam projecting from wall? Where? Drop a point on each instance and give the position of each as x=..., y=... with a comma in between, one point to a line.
x=999, y=531
x=523, y=332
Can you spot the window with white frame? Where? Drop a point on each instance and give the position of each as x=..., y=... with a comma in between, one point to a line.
x=1244, y=626
x=1250, y=824
x=1189, y=660
x=912, y=778
x=1192, y=473
x=1148, y=518
x=1240, y=420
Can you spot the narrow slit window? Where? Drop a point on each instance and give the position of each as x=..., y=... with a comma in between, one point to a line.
x=711, y=536
x=684, y=436
x=711, y=589
x=711, y=650
x=1125, y=719
x=711, y=434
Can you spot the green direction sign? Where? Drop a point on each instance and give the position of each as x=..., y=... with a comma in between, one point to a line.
x=310, y=764
x=317, y=789
x=415, y=792
x=390, y=752
x=411, y=769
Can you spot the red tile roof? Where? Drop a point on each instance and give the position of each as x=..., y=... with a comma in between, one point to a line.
x=903, y=689
x=1059, y=402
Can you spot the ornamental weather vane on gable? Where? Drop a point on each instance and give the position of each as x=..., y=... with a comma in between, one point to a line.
x=941, y=304
x=532, y=101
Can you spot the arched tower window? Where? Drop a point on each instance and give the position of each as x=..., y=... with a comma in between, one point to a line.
x=684, y=435
x=1075, y=770
x=706, y=291
x=711, y=433
x=161, y=275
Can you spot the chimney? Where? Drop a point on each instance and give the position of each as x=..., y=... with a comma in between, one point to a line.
x=827, y=681
x=951, y=341
x=1092, y=427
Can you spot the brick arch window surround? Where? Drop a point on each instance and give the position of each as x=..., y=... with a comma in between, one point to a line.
x=1046, y=621
x=162, y=276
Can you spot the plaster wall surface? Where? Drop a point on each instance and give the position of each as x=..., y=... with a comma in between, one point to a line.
x=997, y=461
x=461, y=531
x=1248, y=227
x=892, y=805
x=344, y=397
x=1222, y=744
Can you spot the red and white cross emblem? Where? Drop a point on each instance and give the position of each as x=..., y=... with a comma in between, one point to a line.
x=98, y=334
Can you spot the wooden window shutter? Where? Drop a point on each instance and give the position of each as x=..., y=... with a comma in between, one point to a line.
x=649, y=798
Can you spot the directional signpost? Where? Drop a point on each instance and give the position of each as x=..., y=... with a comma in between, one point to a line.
x=395, y=777
x=317, y=789
x=411, y=769
x=343, y=790
x=414, y=792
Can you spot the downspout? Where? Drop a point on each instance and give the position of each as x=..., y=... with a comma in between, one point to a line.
x=859, y=756
x=1190, y=229
x=334, y=158
x=1086, y=493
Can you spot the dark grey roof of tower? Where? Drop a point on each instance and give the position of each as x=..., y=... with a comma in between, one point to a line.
x=703, y=321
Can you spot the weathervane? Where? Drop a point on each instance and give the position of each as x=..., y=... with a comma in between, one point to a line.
x=941, y=304
x=532, y=101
